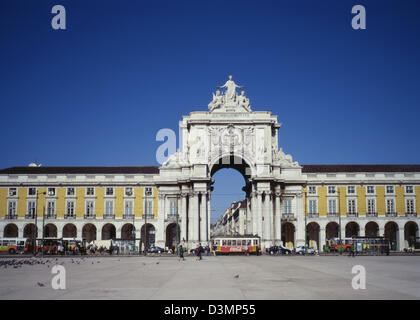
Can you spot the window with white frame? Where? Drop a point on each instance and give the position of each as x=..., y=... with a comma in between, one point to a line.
x=51, y=191
x=90, y=191
x=109, y=208
x=389, y=189
x=351, y=190
x=287, y=206
x=370, y=189
x=312, y=207
x=11, y=210
x=89, y=208
x=31, y=191
x=70, y=191
x=371, y=206
x=390, y=206
x=128, y=208
x=148, y=191
x=50, y=208
x=109, y=191
x=70, y=209
x=148, y=207
x=332, y=206
x=31, y=209
x=331, y=189
x=409, y=189
x=129, y=192
x=173, y=207
x=409, y=203
x=312, y=190
x=351, y=206
x=12, y=192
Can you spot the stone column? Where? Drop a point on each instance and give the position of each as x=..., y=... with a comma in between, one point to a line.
x=183, y=215
x=203, y=219
x=277, y=220
x=254, y=213
x=300, y=220
x=259, y=214
x=267, y=219
x=98, y=232
x=79, y=232
x=401, y=239
x=160, y=229
x=208, y=216
x=322, y=236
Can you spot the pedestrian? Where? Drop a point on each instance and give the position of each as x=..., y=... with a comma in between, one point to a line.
x=200, y=251
x=181, y=253
x=207, y=250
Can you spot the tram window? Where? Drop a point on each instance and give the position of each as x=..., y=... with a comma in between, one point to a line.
x=217, y=242
x=249, y=242
x=224, y=242
x=229, y=242
x=233, y=242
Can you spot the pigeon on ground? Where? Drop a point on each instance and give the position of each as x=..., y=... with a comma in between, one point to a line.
x=236, y=276
x=41, y=284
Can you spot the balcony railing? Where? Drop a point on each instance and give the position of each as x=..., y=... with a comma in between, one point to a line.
x=313, y=214
x=89, y=216
x=128, y=216
x=352, y=214
x=148, y=216
x=411, y=214
x=30, y=215
x=109, y=216
x=371, y=214
x=332, y=214
x=288, y=216
x=50, y=216
x=69, y=216
x=391, y=214
x=11, y=216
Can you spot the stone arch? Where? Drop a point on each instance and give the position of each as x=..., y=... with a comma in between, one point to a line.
x=391, y=232
x=109, y=231
x=89, y=232
x=371, y=229
x=11, y=231
x=332, y=230
x=227, y=160
x=352, y=229
x=172, y=237
x=147, y=236
x=127, y=231
x=30, y=231
x=312, y=230
x=288, y=234
x=411, y=232
x=69, y=231
x=50, y=231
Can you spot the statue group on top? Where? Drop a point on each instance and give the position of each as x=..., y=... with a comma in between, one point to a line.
x=230, y=100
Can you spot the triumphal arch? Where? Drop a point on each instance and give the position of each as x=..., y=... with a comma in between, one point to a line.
x=231, y=135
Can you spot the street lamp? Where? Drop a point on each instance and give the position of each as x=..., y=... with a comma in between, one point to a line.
x=339, y=221
x=145, y=233
x=305, y=214
x=36, y=222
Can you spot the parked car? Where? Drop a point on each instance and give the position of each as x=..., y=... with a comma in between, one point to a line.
x=309, y=250
x=278, y=250
x=156, y=250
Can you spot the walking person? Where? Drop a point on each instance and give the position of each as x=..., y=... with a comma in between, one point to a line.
x=181, y=253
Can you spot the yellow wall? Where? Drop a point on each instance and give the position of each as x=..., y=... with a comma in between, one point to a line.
x=155, y=202
x=361, y=200
x=138, y=202
x=41, y=202
x=100, y=202
x=343, y=201
x=61, y=202
x=80, y=202
x=400, y=203
x=119, y=202
x=417, y=193
x=21, y=205
x=380, y=200
x=322, y=201
x=3, y=202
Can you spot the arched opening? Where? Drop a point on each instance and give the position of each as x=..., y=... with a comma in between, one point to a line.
x=331, y=230
x=50, y=231
x=89, y=232
x=411, y=232
x=371, y=229
x=69, y=231
x=312, y=230
x=147, y=236
x=288, y=234
x=128, y=232
x=108, y=232
x=230, y=189
x=352, y=229
x=11, y=231
x=172, y=236
x=30, y=231
x=391, y=233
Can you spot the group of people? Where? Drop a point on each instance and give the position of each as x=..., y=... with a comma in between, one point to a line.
x=198, y=252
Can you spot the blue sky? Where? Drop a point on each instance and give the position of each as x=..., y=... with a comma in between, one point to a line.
x=97, y=93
